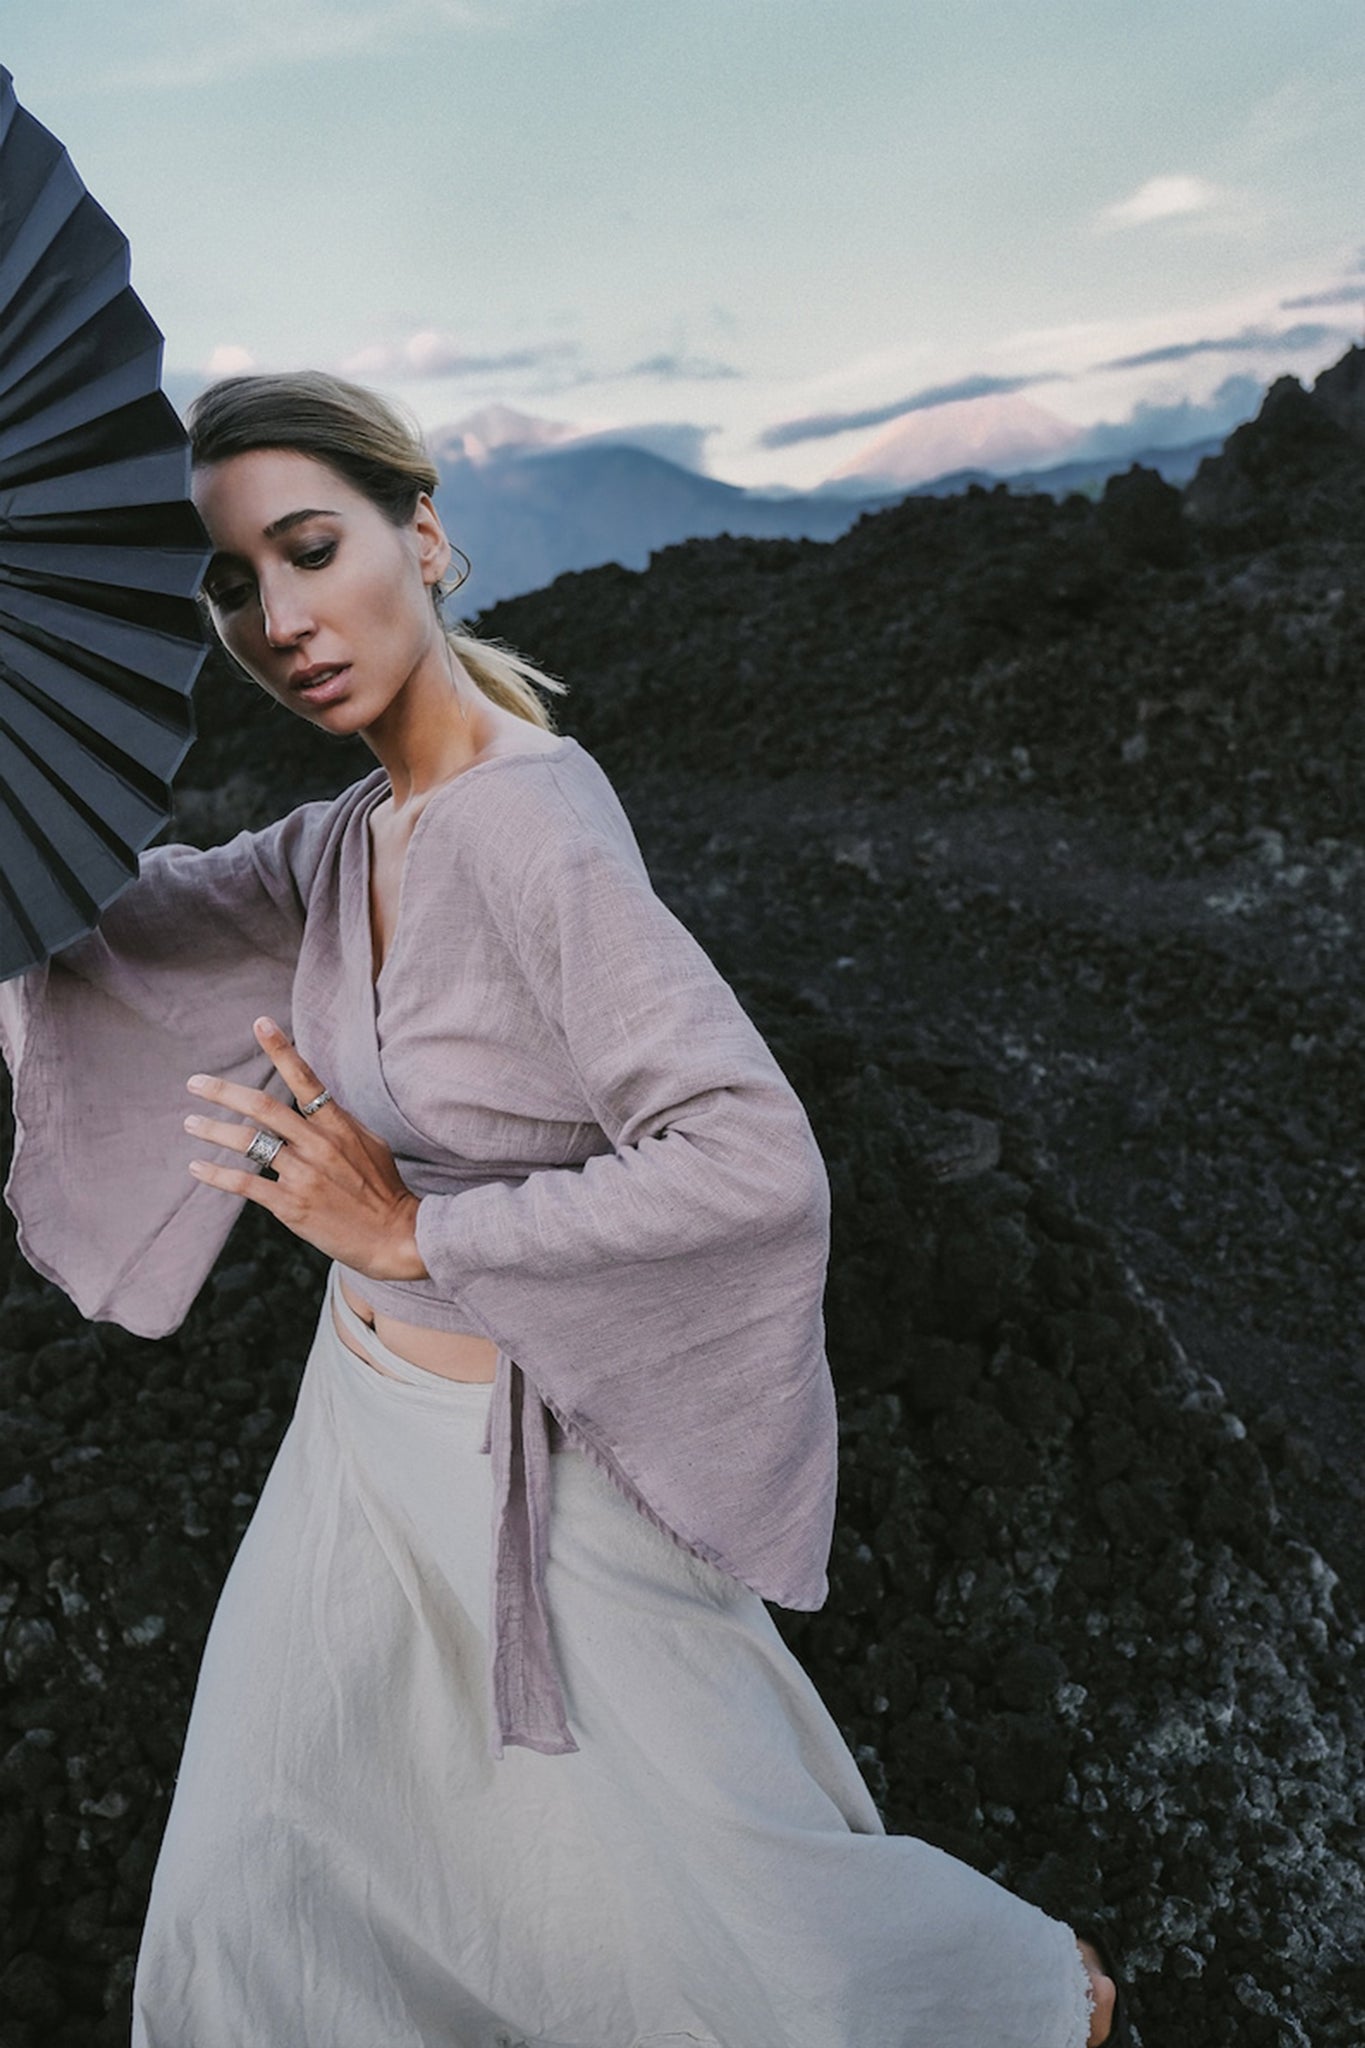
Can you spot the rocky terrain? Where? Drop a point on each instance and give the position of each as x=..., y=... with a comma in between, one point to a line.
x=1032, y=836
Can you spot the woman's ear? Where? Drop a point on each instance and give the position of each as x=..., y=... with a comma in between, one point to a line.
x=433, y=549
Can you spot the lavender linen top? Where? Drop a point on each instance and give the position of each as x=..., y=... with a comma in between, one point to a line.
x=618, y=1184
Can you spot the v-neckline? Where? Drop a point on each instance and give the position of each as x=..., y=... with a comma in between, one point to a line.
x=382, y=789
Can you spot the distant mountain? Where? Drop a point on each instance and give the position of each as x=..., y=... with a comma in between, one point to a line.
x=496, y=430
x=1176, y=465
x=530, y=498
x=998, y=433
x=528, y=505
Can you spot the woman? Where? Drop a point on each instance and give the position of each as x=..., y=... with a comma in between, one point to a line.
x=494, y=1741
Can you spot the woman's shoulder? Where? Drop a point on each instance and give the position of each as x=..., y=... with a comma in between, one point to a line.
x=528, y=801
x=302, y=837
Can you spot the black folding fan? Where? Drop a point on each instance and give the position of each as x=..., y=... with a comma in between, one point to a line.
x=101, y=554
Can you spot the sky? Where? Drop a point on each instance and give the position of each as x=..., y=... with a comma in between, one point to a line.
x=755, y=230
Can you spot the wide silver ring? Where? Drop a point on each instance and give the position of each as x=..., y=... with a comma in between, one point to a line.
x=263, y=1147
x=307, y=1108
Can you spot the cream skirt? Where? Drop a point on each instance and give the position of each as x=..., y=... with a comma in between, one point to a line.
x=344, y=1866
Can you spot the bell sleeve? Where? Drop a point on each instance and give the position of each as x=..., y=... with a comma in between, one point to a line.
x=100, y=1040
x=664, y=1297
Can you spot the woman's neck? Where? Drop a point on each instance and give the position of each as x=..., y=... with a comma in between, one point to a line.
x=438, y=724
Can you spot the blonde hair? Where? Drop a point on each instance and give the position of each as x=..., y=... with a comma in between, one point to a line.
x=379, y=449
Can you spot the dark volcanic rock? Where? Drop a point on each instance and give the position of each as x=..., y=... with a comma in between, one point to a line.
x=1031, y=837
x=1144, y=517
x=1297, y=468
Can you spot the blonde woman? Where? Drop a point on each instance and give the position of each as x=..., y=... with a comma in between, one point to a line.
x=494, y=1740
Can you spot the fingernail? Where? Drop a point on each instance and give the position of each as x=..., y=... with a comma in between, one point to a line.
x=267, y=1028
x=197, y=1082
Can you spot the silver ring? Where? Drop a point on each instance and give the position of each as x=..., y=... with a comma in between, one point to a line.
x=307, y=1108
x=263, y=1147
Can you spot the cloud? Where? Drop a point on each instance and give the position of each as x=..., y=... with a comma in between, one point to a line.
x=229, y=359
x=431, y=353
x=1251, y=341
x=819, y=426
x=1173, y=425
x=1335, y=295
x=1164, y=198
x=1169, y=423
x=677, y=367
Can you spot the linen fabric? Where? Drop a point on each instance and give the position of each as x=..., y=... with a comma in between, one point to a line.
x=619, y=1187
x=344, y=1864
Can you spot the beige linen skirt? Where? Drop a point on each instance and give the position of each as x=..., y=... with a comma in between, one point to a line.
x=344, y=1865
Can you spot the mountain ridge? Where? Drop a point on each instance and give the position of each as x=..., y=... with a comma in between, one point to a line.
x=527, y=512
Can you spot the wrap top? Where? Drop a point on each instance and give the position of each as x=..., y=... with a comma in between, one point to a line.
x=618, y=1185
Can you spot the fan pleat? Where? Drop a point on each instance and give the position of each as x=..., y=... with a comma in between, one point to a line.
x=126, y=526
x=154, y=614
x=112, y=334
x=155, y=478
x=38, y=217
x=21, y=940
x=106, y=398
x=70, y=865
x=123, y=724
x=51, y=315
x=30, y=156
x=171, y=569
x=64, y=441
x=118, y=790
x=161, y=656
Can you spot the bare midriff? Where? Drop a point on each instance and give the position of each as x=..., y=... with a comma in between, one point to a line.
x=452, y=1354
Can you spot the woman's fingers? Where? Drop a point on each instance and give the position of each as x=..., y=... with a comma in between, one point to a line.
x=340, y=1188
x=261, y=1109
x=302, y=1082
x=237, y=1180
x=236, y=1136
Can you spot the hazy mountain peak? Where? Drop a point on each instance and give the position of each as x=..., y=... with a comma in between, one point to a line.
x=494, y=430
x=1000, y=431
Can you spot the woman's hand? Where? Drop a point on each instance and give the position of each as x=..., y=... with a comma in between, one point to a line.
x=337, y=1185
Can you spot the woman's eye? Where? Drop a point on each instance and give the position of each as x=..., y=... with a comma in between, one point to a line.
x=229, y=597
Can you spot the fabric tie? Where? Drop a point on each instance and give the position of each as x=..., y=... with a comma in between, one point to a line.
x=527, y=1703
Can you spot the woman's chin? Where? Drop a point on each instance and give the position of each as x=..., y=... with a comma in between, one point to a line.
x=345, y=713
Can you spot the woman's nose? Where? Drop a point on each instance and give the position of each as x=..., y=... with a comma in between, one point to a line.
x=284, y=616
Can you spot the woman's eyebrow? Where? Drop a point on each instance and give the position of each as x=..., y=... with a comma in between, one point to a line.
x=279, y=526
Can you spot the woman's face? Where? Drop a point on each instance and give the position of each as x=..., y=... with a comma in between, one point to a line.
x=310, y=582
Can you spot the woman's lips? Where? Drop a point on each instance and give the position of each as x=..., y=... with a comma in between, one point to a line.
x=327, y=690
